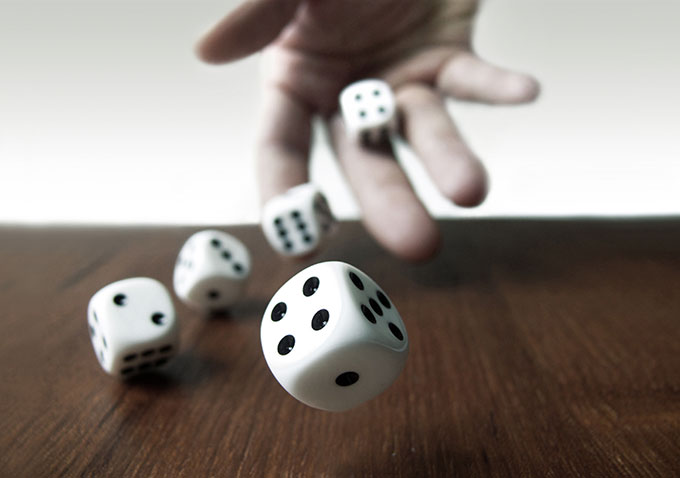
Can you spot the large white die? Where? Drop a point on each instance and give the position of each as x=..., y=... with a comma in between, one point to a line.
x=297, y=222
x=211, y=271
x=369, y=110
x=132, y=325
x=332, y=338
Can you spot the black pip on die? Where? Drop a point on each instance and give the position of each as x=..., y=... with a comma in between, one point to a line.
x=132, y=326
x=296, y=222
x=211, y=271
x=369, y=110
x=332, y=338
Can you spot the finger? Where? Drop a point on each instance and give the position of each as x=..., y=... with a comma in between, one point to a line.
x=391, y=211
x=283, y=145
x=250, y=27
x=428, y=128
x=466, y=76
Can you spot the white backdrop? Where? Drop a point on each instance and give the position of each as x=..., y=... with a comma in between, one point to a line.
x=107, y=117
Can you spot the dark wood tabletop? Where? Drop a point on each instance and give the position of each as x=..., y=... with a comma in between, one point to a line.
x=537, y=348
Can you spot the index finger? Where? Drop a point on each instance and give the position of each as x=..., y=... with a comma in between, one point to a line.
x=247, y=29
x=391, y=211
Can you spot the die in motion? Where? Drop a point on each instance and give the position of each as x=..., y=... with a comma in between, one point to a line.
x=211, y=271
x=369, y=111
x=332, y=337
x=298, y=221
x=132, y=326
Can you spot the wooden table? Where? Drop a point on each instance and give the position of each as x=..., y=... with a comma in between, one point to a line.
x=538, y=348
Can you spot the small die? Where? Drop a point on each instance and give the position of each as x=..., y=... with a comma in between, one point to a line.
x=211, y=271
x=332, y=337
x=132, y=326
x=369, y=110
x=296, y=222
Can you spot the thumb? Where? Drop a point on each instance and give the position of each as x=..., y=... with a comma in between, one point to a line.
x=247, y=29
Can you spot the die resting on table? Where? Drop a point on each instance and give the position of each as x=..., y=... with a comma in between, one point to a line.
x=132, y=326
x=297, y=222
x=332, y=338
x=369, y=111
x=211, y=271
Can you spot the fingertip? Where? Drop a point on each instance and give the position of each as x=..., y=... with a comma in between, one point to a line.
x=471, y=195
x=467, y=77
x=410, y=235
x=424, y=249
x=248, y=28
x=463, y=182
x=215, y=47
x=421, y=243
x=206, y=54
x=522, y=88
x=471, y=185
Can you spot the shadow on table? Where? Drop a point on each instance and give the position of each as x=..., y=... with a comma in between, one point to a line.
x=250, y=308
x=187, y=369
x=533, y=250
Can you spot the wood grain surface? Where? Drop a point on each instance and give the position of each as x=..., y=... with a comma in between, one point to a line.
x=538, y=348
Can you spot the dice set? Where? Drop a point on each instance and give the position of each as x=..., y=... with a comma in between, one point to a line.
x=330, y=335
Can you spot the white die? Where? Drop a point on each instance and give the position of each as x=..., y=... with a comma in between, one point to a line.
x=369, y=110
x=132, y=325
x=296, y=222
x=332, y=337
x=211, y=271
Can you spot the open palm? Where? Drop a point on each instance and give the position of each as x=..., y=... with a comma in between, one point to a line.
x=314, y=48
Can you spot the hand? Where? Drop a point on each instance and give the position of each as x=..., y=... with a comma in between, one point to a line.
x=314, y=48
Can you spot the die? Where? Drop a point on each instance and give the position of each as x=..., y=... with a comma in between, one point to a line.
x=332, y=338
x=132, y=326
x=298, y=221
x=369, y=110
x=211, y=271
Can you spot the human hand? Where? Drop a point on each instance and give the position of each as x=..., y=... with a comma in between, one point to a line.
x=314, y=48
